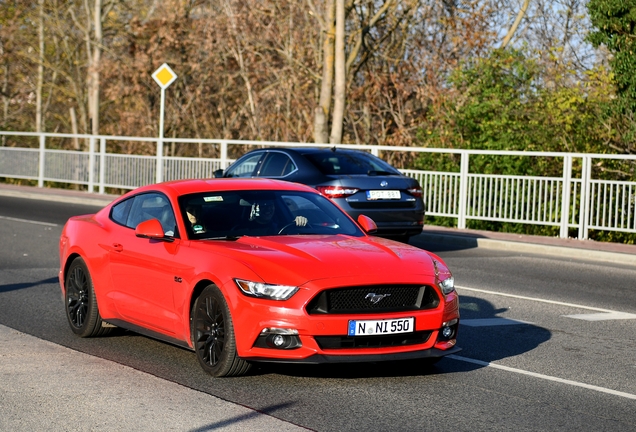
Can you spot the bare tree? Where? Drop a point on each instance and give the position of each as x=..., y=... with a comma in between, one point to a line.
x=328, y=31
x=40, y=78
x=351, y=37
x=94, y=53
x=340, y=75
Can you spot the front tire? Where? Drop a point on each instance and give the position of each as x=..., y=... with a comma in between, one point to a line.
x=80, y=302
x=213, y=335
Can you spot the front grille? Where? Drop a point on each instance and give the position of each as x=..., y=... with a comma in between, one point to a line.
x=374, y=299
x=344, y=342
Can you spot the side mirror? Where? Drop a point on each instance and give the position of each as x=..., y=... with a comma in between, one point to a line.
x=367, y=224
x=151, y=229
x=218, y=173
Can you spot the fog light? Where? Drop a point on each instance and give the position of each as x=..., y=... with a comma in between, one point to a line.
x=448, y=330
x=278, y=340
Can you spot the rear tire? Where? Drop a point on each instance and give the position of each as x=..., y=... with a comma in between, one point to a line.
x=213, y=335
x=80, y=302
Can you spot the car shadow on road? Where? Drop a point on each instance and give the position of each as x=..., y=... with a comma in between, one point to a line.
x=441, y=244
x=489, y=337
x=486, y=334
x=19, y=286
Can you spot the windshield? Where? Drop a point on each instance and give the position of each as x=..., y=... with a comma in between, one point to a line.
x=232, y=214
x=340, y=163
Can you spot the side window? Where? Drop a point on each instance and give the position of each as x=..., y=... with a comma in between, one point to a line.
x=152, y=206
x=276, y=165
x=119, y=212
x=244, y=167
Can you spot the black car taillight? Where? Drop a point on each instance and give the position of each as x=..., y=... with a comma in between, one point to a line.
x=337, y=191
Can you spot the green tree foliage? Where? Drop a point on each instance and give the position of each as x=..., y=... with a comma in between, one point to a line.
x=615, y=23
x=511, y=101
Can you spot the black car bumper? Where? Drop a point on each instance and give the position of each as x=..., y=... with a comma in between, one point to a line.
x=431, y=353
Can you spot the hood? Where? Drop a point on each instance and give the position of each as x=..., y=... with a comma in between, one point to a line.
x=296, y=260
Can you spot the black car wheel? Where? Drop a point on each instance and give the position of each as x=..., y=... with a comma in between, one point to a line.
x=81, y=305
x=213, y=333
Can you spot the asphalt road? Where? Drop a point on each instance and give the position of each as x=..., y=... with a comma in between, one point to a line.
x=548, y=344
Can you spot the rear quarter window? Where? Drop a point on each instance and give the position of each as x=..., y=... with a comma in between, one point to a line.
x=120, y=211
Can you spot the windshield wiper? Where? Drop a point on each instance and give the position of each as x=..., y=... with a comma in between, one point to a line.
x=227, y=237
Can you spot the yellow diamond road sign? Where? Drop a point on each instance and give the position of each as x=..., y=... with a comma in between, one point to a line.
x=164, y=76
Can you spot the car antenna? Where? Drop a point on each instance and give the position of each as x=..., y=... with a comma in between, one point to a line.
x=333, y=149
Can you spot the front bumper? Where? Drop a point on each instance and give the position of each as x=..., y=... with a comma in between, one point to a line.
x=251, y=316
x=430, y=353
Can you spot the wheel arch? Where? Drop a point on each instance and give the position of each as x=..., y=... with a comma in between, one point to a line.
x=67, y=264
x=196, y=292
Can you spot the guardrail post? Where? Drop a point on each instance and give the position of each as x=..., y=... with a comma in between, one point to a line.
x=159, y=168
x=463, y=191
x=41, y=166
x=565, y=198
x=91, y=163
x=223, y=154
x=102, y=165
x=584, y=209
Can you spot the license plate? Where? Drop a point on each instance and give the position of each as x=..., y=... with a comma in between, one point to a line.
x=380, y=327
x=383, y=194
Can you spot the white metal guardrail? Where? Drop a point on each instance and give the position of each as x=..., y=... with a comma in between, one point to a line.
x=574, y=200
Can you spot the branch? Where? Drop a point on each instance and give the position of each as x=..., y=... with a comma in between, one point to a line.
x=315, y=13
x=513, y=29
x=363, y=32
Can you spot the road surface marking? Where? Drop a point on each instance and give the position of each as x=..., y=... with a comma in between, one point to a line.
x=606, y=314
x=545, y=377
x=28, y=221
x=603, y=316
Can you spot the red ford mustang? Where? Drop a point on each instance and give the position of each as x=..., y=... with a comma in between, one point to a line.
x=244, y=270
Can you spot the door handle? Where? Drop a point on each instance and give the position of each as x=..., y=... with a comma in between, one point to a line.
x=115, y=247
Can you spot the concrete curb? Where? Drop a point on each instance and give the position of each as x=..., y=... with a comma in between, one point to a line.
x=73, y=391
x=541, y=249
x=88, y=199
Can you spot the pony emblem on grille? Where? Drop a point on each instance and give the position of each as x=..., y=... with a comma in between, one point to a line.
x=375, y=298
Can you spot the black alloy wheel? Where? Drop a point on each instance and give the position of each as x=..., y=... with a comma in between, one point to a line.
x=213, y=335
x=80, y=302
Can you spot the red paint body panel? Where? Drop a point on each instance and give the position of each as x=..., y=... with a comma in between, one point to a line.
x=150, y=283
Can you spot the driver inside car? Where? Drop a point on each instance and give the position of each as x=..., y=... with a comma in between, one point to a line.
x=194, y=216
x=262, y=220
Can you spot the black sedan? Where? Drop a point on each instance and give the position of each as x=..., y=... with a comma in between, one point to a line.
x=359, y=182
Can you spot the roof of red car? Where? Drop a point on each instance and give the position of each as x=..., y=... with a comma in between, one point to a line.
x=183, y=187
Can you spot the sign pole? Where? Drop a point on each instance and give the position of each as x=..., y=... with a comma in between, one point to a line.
x=164, y=76
x=159, y=170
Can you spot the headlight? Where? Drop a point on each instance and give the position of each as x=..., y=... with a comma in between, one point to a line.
x=447, y=285
x=263, y=290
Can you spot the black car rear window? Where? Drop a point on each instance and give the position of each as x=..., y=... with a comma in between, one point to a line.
x=350, y=163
